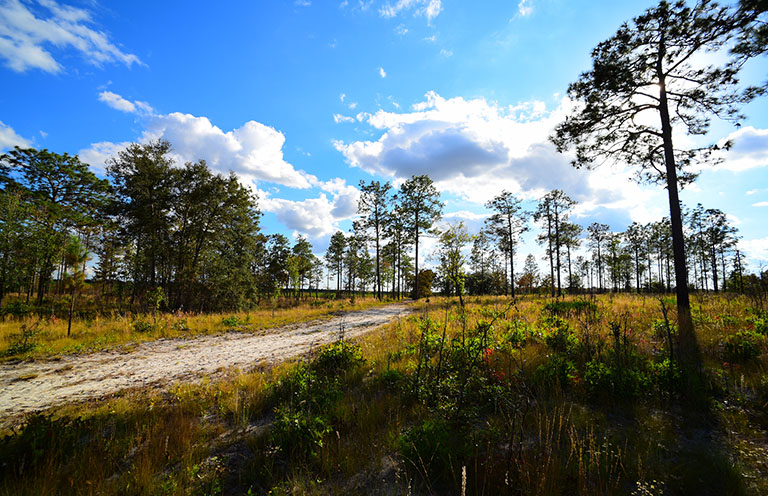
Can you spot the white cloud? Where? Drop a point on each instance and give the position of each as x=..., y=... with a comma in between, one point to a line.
x=302, y=3
x=9, y=138
x=96, y=156
x=756, y=249
x=401, y=30
x=760, y=204
x=427, y=8
x=337, y=118
x=382, y=73
x=352, y=105
x=342, y=97
x=475, y=149
x=446, y=53
x=524, y=8
x=28, y=32
x=119, y=103
x=750, y=149
x=253, y=151
x=316, y=217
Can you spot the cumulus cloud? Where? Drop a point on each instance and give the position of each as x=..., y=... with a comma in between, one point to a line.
x=253, y=151
x=382, y=73
x=9, y=138
x=316, y=217
x=29, y=31
x=749, y=151
x=427, y=8
x=756, y=249
x=475, y=149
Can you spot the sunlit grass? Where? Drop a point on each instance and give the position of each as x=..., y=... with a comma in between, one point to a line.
x=216, y=435
x=48, y=336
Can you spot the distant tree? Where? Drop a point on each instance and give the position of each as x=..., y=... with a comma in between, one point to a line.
x=636, y=236
x=597, y=235
x=76, y=257
x=421, y=207
x=451, y=257
x=373, y=206
x=570, y=238
x=553, y=210
x=302, y=250
x=530, y=276
x=653, y=66
x=334, y=257
x=508, y=222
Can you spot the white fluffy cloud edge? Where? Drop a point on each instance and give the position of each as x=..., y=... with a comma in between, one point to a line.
x=28, y=32
x=471, y=148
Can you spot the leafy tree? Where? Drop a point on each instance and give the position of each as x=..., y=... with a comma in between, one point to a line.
x=373, y=206
x=63, y=194
x=143, y=181
x=509, y=221
x=421, y=207
x=450, y=255
x=652, y=68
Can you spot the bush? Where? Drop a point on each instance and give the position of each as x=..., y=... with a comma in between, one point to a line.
x=566, y=308
x=557, y=371
x=743, y=346
x=230, y=322
x=143, y=326
x=611, y=380
x=434, y=448
x=24, y=341
x=297, y=435
x=558, y=335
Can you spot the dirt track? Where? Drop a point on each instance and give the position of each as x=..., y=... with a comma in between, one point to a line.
x=30, y=386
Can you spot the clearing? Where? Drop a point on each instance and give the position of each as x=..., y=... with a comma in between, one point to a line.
x=36, y=385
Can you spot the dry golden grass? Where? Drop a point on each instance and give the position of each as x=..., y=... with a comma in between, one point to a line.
x=215, y=436
x=105, y=332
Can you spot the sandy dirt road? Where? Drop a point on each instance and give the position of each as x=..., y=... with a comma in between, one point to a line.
x=36, y=385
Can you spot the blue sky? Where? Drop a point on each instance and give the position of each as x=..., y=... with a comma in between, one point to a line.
x=303, y=99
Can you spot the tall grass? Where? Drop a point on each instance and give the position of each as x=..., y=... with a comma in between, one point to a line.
x=502, y=397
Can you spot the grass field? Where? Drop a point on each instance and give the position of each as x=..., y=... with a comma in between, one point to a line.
x=530, y=396
x=32, y=337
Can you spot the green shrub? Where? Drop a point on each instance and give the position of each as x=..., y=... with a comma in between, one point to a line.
x=391, y=379
x=297, y=435
x=611, y=380
x=435, y=449
x=557, y=371
x=575, y=307
x=558, y=335
x=230, y=322
x=24, y=341
x=666, y=375
x=743, y=346
x=143, y=326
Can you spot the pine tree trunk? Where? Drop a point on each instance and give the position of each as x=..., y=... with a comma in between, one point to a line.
x=689, y=348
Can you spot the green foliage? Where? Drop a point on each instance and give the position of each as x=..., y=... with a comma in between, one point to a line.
x=558, y=334
x=567, y=308
x=434, y=449
x=297, y=435
x=557, y=371
x=743, y=346
x=143, y=326
x=231, y=321
x=25, y=340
